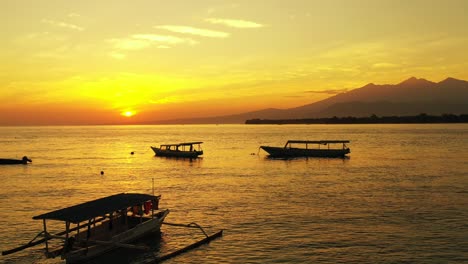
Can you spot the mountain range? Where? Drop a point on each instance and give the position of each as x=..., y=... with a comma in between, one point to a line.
x=410, y=97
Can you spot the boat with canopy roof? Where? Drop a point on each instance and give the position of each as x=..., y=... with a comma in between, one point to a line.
x=99, y=226
x=180, y=150
x=320, y=148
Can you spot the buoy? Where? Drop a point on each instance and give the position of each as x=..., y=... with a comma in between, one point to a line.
x=102, y=172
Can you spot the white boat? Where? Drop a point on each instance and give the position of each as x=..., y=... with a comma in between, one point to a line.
x=180, y=150
x=99, y=226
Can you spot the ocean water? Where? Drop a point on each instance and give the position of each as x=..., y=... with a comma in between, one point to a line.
x=400, y=197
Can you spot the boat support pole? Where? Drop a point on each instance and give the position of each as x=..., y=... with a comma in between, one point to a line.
x=46, y=235
x=67, y=230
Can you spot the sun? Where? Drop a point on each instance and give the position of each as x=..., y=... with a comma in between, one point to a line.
x=128, y=113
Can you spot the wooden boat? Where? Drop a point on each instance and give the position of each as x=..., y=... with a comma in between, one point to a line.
x=290, y=150
x=181, y=150
x=102, y=225
x=24, y=160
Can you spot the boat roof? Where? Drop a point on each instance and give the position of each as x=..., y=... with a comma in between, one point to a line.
x=183, y=144
x=98, y=207
x=190, y=143
x=317, y=141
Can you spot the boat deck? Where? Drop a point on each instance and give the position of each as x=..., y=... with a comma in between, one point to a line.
x=105, y=230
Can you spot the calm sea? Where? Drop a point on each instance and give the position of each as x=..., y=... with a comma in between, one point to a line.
x=401, y=197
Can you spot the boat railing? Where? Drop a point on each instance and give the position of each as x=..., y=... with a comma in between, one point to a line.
x=328, y=143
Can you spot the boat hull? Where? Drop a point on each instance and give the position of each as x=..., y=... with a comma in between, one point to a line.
x=13, y=161
x=176, y=153
x=280, y=152
x=151, y=226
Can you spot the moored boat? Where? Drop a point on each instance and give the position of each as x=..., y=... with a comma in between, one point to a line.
x=322, y=149
x=24, y=160
x=180, y=150
x=102, y=225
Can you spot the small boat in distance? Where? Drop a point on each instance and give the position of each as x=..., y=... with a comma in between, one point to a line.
x=24, y=160
x=181, y=150
x=100, y=226
x=290, y=151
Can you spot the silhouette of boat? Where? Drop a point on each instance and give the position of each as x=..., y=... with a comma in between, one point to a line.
x=289, y=150
x=181, y=150
x=24, y=160
x=102, y=225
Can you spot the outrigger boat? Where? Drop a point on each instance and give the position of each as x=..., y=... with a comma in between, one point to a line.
x=289, y=150
x=24, y=160
x=181, y=150
x=102, y=225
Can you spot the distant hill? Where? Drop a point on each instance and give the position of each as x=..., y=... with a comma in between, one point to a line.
x=410, y=97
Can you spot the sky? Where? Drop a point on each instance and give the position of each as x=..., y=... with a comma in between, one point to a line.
x=114, y=61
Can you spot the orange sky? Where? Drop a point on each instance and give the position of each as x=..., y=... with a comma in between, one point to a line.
x=89, y=62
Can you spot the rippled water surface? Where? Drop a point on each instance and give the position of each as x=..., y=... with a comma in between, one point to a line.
x=402, y=196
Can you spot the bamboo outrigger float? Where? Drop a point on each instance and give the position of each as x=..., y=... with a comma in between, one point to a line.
x=101, y=226
x=175, y=253
x=291, y=150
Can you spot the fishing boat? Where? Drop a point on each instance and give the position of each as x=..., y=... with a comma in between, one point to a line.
x=99, y=226
x=302, y=148
x=181, y=150
x=24, y=160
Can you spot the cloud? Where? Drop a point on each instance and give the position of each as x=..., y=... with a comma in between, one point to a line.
x=164, y=39
x=142, y=41
x=293, y=96
x=330, y=91
x=195, y=31
x=210, y=10
x=234, y=23
x=130, y=44
x=62, y=24
x=384, y=65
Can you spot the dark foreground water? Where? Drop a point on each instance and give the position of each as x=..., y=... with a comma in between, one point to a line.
x=402, y=196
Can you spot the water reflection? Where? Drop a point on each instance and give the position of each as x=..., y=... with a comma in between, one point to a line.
x=179, y=160
x=396, y=205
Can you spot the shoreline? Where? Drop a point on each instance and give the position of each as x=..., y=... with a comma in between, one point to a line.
x=374, y=119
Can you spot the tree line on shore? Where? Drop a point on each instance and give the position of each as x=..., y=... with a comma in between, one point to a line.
x=373, y=119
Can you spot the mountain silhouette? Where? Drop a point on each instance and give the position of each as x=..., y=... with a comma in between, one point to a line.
x=410, y=97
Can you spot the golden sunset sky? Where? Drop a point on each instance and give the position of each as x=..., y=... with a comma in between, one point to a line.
x=99, y=62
